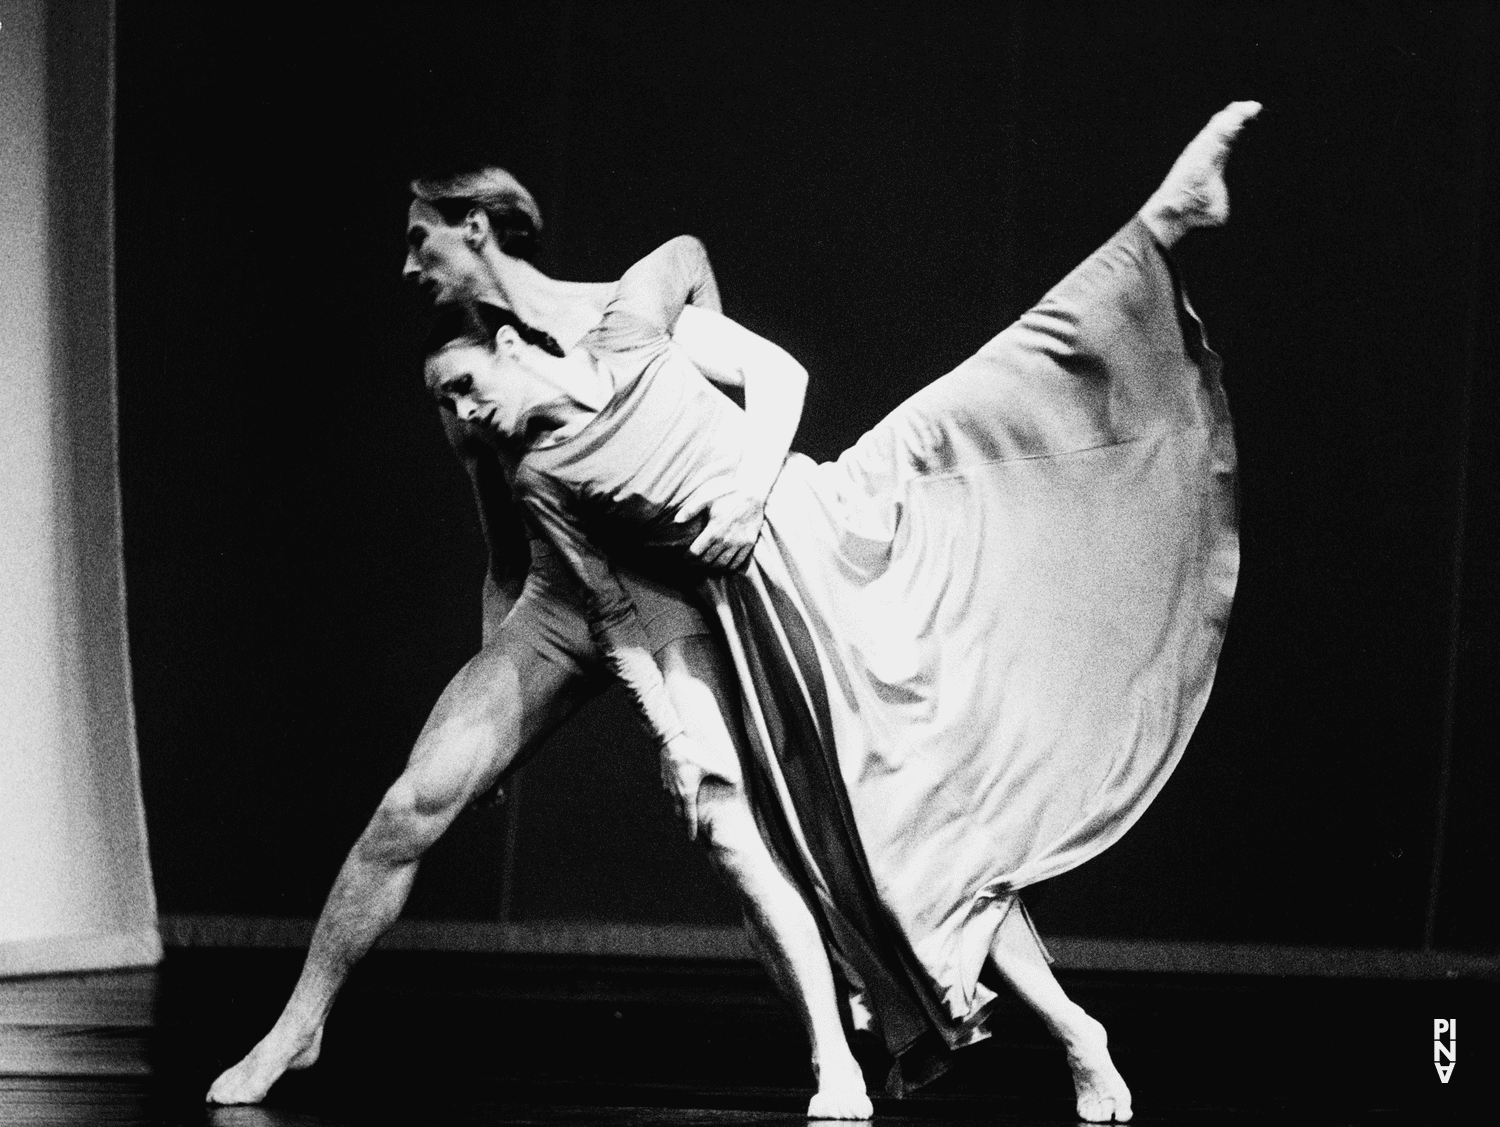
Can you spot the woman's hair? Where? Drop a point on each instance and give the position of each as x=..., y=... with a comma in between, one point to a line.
x=460, y=325
x=513, y=214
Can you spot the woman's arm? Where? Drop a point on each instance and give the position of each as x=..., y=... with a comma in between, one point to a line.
x=774, y=385
x=617, y=631
x=499, y=519
x=612, y=613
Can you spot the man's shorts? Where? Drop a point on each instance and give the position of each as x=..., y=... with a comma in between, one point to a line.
x=551, y=611
x=550, y=614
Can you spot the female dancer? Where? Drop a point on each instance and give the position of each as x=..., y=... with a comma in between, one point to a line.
x=972, y=649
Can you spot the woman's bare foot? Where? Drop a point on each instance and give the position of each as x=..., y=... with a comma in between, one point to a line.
x=841, y=1093
x=1102, y=1096
x=1194, y=193
x=282, y=1050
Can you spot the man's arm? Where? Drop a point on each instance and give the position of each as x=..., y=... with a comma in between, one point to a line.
x=698, y=273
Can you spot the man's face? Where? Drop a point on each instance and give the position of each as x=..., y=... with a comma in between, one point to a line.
x=438, y=258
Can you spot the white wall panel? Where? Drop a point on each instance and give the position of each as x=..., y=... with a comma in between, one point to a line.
x=75, y=884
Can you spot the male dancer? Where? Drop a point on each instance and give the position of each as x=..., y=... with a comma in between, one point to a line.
x=470, y=237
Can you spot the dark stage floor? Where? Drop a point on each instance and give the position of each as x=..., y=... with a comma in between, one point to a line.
x=470, y=1039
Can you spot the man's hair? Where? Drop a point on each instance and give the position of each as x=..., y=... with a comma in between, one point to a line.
x=459, y=325
x=512, y=210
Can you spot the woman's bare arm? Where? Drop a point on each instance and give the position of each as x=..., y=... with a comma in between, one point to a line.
x=774, y=384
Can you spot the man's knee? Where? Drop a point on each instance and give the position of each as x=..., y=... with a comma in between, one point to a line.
x=421, y=804
x=397, y=833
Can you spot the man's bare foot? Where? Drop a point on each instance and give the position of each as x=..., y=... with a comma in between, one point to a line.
x=284, y=1049
x=1102, y=1096
x=1194, y=193
x=841, y=1093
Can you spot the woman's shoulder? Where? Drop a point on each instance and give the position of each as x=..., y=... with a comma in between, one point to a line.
x=532, y=479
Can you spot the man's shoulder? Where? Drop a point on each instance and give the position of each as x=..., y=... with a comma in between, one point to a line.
x=682, y=247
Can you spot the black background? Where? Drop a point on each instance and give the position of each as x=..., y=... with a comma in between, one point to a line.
x=881, y=189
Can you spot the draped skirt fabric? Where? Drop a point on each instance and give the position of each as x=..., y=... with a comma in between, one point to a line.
x=973, y=648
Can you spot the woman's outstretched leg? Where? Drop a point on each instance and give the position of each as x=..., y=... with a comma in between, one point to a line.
x=1194, y=193
x=781, y=925
x=1101, y=1093
x=1079, y=328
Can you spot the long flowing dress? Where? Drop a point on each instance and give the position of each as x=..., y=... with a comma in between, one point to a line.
x=971, y=649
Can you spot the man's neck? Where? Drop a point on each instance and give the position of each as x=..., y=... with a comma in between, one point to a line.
x=566, y=310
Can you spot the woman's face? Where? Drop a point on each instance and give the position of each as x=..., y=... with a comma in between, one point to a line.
x=481, y=388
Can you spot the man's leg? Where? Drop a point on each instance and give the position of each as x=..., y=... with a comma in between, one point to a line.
x=504, y=700
x=779, y=919
x=1100, y=1090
